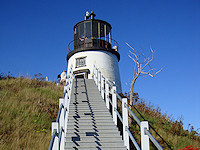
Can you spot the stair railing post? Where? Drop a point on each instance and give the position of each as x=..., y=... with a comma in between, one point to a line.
x=96, y=70
x=54, y=129
x=114, y=101
x=102, y=86
x=65, y=95
x=125, y=122
x=96, y=76
x=66, y=120
x=61, y=139
x=61, y=120
x=70, y=86
x=107, y=94
x=65, y=88
x=69, y=90
x=144, y=138
x=99, y=81
x=66, y=109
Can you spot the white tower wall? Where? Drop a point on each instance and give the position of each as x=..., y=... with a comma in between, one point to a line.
x=105, y=61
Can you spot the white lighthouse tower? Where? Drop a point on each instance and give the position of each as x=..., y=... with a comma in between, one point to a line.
x=93, y=45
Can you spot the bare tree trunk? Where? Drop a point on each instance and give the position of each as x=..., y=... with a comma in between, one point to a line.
x=132, y=89
x=131, y=100
x=131, y=93
x=141, y=62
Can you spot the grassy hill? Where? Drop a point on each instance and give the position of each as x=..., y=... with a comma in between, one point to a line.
x=28, y=106
x=175, y=137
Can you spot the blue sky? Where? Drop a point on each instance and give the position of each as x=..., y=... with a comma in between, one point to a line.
x=34, y=37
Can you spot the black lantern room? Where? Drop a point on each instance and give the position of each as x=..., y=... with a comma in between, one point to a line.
x=92, y=34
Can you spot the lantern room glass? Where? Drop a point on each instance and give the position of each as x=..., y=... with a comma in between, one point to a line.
x=92, y=29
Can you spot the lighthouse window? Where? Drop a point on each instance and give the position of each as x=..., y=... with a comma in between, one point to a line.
x=80, y=62
x=88, y=30
x=108, y=33
x=81, y=31
x=95, y=29
x=102, y=31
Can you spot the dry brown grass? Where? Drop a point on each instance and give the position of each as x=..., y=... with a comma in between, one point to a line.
x=27, y=108
x=171, y=130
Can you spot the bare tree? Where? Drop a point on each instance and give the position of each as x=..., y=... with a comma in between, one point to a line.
x=141, y=67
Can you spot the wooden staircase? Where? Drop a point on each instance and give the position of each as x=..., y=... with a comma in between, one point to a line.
x=90, y=125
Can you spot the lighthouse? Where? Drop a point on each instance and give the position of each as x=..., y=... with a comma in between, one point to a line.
x=94, y=46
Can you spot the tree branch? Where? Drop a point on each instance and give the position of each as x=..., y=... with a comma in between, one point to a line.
x=153, y=74
x=132, y=58
x=139, y=67
x=133, y=54
x=131, y=47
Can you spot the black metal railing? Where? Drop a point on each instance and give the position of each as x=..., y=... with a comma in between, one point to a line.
x=90, y=43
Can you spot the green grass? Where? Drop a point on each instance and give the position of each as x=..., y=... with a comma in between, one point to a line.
x=171, y=130
x=27, y=108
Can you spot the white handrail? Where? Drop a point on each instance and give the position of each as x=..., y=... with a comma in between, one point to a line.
x=108, y=87
x=133, y=115
x=153, y=139
x=52, y=140
x=59, y=127
x=133, y=139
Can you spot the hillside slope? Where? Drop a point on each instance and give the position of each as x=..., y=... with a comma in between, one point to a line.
x=27, y=108
x=172, y=133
